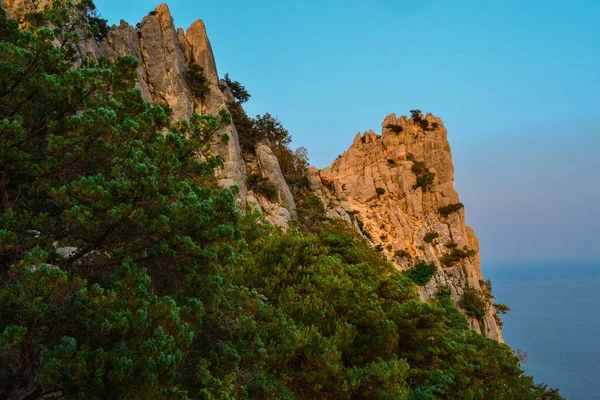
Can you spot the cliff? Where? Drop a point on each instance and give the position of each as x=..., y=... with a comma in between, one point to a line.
x=383, y=185
x=165, y=55
x=380, y=185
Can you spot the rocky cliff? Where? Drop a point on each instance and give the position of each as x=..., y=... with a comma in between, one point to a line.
x=165, y=55
x=390, y=187
x=397, y=189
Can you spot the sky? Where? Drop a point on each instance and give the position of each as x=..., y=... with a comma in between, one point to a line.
x=517, y=84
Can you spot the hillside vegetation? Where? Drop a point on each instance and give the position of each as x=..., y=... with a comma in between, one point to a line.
x=125, y=272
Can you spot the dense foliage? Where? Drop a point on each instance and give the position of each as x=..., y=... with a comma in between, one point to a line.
x=473, y=302
x=126, y=273
x=421, y=273
x=430, y=237
x=395, y=128
x=425, y=177
x=444, y=211
x=455, y=255
x=237, y=89
x=197, y=81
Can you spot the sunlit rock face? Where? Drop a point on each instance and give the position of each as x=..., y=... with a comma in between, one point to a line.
x=375, y=182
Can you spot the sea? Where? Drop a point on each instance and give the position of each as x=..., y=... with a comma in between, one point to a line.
x=555, y=320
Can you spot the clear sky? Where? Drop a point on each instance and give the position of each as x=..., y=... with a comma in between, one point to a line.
x=517, y=84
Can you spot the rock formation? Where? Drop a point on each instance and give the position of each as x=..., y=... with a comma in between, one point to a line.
x=374, y=185
x=165, y=53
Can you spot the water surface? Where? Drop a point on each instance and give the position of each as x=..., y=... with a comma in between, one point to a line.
x=555, y=319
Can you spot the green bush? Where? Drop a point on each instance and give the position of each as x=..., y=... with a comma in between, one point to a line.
x=259, y=184
x=380, y=191
x=486, y=286
x=395, y=128
x=449, y=209
x=402, y=254
x=237, y=89
x=430, y=237
x=311, y=212
x=425, y=181
x=418, y=167
x=456, y=320
x=500, y=309
x=294, y=165
x=416, y=116
x=391, y=162
x=425, y=177
x=456, y=255
x=473, y=302
x=421, y=273
x=197, y=81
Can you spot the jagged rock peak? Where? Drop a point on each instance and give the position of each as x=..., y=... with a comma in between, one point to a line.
x=202, y=50
x=393, y=185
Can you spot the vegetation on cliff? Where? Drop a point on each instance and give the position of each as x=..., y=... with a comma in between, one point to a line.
x=126, y=273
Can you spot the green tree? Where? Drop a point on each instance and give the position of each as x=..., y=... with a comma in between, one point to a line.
x=237, y=89
x=421, y=273
x=197, y=81
x=101, y=191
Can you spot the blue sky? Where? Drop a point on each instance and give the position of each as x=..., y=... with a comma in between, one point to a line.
x=517, y=84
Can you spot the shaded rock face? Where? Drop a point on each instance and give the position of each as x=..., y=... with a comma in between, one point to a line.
x=164, y=54
x=375, y=181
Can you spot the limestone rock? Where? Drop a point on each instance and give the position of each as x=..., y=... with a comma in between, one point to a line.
x=314, y=180
x=164, y=54
x=374, y=179
x=269, y=165
x=122, y=40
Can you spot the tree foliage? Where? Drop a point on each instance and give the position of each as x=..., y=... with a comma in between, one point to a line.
x=197, y=81
x=430, y=237
x=450, y=208
x=237, y=89
x=421, y=273
x=425, y=177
